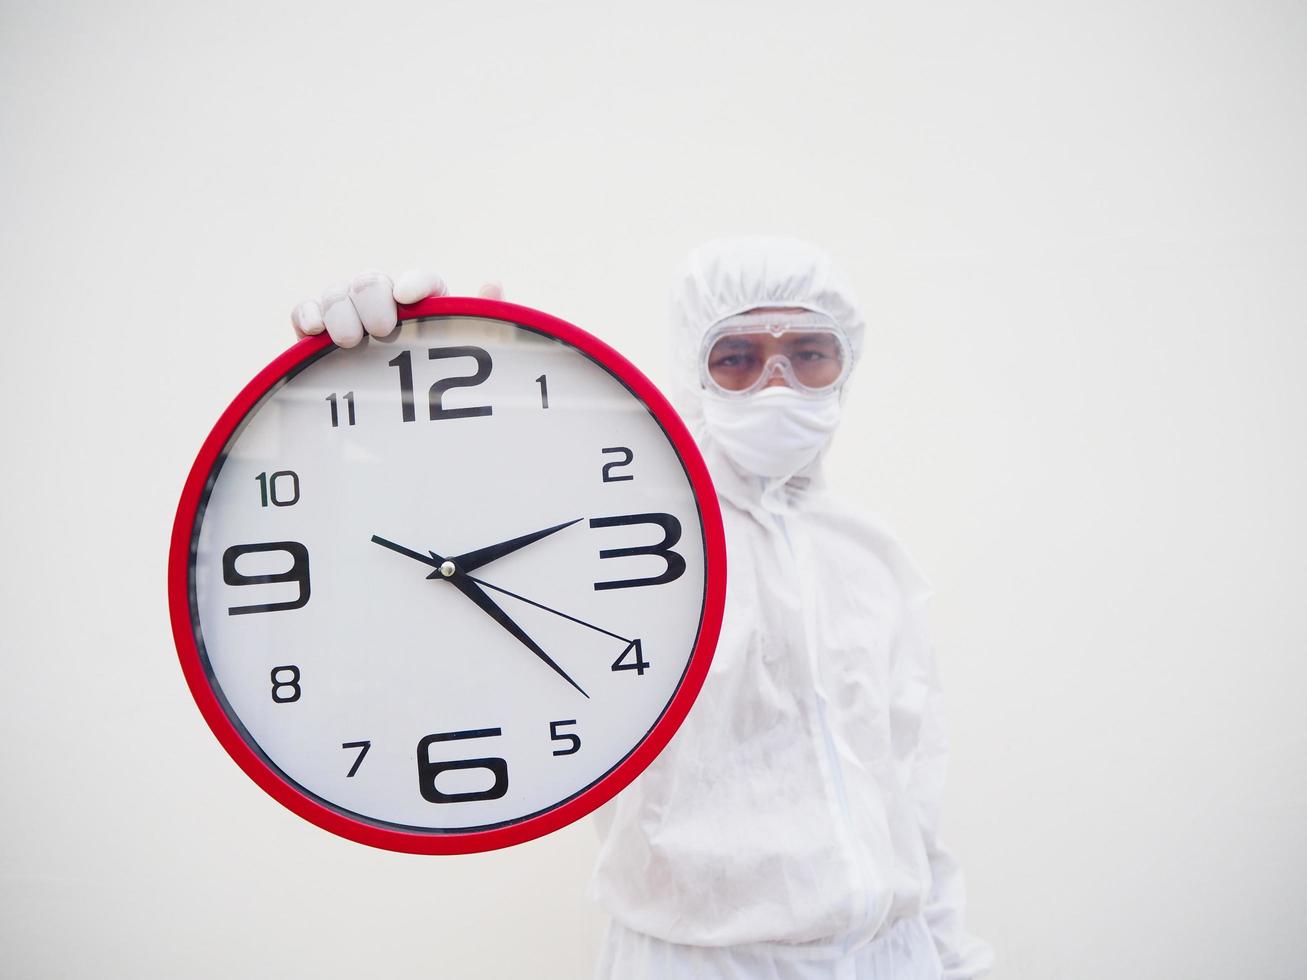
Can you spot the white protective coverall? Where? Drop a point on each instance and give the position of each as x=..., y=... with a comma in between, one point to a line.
x=788, y=830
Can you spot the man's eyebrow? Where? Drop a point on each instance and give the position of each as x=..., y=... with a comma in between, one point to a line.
x=734, y=342
x=811, y=338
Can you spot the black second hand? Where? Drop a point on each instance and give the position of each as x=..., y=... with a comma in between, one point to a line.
x=541, y=605
x=484, y=602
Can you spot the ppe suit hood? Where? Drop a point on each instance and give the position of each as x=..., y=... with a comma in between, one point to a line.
x=731, y=275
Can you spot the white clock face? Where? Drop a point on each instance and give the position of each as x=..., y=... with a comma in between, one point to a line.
x=365, y=638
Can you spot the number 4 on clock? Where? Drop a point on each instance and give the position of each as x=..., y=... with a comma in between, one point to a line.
x=636, y=662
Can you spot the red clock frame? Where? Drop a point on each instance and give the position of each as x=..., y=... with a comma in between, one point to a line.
x=337, y=822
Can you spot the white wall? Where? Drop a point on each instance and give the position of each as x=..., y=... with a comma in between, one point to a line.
x=1078, y=230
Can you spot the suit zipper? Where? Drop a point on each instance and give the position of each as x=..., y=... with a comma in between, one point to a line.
x=862, y=908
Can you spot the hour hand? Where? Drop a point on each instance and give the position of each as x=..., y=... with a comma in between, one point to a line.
x=428, y=559
x=473, y=560
x=449, y=570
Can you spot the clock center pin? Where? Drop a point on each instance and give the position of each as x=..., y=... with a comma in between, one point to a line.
x=448, y=569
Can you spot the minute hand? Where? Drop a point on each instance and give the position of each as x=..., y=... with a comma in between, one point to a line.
x=484, y=556
x=488, y=605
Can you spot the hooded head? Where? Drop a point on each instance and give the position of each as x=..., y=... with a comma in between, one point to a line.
x=777, y=433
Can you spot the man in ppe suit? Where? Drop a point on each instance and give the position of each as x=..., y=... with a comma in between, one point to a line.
x=788, y=831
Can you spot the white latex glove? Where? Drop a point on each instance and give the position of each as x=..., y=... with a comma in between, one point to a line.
x=367, y=304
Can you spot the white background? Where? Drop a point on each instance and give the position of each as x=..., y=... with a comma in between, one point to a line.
x=1078, y=232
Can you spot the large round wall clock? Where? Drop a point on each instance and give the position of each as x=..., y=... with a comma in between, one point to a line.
x=451, y=590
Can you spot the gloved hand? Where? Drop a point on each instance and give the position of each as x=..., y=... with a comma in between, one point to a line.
x=367, y=303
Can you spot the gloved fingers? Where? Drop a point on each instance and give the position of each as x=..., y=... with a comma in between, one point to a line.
x=418, y=284
x=374, y=301
x=342, y=320
x=366, y=305
x=307, y=319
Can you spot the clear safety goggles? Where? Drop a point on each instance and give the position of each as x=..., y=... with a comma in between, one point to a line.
x=742, y=354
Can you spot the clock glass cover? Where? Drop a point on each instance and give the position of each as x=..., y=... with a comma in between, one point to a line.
x=450, y=590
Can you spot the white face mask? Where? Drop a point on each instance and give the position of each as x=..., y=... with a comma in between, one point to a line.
x=773, y=433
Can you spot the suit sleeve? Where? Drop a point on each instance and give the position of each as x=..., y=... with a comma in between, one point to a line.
x=922, y=746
